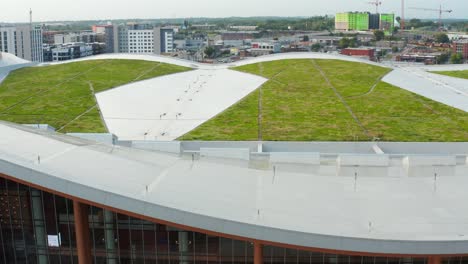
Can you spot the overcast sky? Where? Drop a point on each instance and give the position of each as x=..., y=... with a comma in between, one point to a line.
x=53, y=10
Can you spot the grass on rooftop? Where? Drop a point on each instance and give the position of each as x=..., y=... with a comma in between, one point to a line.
x=298, y=104
x=458, y=74
x=63, y=95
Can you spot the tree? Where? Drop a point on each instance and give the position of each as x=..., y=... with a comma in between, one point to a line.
x=456, y=58
x=379, y=35
x=209, y=51
x=441, y=38
x=443, y=58
x=344, y=43
x=347, y=43
x=316, y=47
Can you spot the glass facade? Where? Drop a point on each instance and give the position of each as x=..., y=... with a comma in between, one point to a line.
x=387, y=23
x=39, y=227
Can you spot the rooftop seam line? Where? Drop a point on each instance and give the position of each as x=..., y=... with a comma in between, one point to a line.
x=340, y=97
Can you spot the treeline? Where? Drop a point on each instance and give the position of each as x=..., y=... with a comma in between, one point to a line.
x=318, y=23
x=459, y=26
x=418, y=23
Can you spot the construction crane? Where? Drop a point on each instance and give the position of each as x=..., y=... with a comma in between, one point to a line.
x=440, y=11
x=402, y=18
x=377, y=3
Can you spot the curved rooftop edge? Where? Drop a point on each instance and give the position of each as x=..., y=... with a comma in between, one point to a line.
x=198, y=65
x=414, y=78
x=287, y=205
x=9, y=62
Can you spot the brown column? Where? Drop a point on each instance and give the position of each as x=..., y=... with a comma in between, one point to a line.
x=80, y=212
x=434, y=260
x=258, y=253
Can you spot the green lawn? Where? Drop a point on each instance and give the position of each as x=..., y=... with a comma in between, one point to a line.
x=62, y=95
x=298, y=104
x=458, y=74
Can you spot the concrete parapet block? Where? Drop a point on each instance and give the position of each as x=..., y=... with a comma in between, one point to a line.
x=363, y=165
x=299, y=162
x=162, y=146
x=428, y=166
x=226, y=153
x=363, y=160
x=311, y=158
x=106, y=138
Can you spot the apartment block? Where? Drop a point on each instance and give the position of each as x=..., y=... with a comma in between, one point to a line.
x=140, y=39
x=23, y=41
x=461, y=47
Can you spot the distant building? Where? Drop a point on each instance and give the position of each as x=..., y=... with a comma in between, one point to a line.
x=85, y=37
x=70, y=51
x=236, y=35
x=189, y=43
x=141, y=39
x=461, y=47
x=387, y=23
x=325, y=40
x=163, y=40
x=368, y=53
x=48, y=37
x=109, y=39
x=23, y=41
x=107, y=34
x=265, y=48
x=245, y=28
x=364, y=21
x=352, y=21
x=100, y=29
x=374, y=21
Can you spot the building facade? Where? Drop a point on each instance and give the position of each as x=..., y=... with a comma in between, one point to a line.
x=367, y=53
x=163, y=40
x=265, y=48
x=109, y=38
x=387, y=23
x=360, y=21
x=81, y=203
x=141, y=39
x=42, y=227
x=23, y=41
x=85, y=37
x=461, y=47
x=70, y=51
x=352, y=21
x=374, y=21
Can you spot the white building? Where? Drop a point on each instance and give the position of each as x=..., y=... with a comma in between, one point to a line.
x=22, y=41
x=86, y=37
x=143, y=39
x=265, y=48
x=71, y=51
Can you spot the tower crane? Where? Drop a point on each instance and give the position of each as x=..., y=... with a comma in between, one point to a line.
x=402, y=18
x=377, y=3
x=440, y=11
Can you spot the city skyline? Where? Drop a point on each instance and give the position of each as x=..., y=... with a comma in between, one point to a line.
x=18, y=11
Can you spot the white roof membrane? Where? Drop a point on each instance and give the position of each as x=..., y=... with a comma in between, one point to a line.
x=373, y=212
x=167, y=107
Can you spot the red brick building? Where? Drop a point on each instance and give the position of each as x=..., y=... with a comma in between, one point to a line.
x=359, y=52
x=461, y=47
